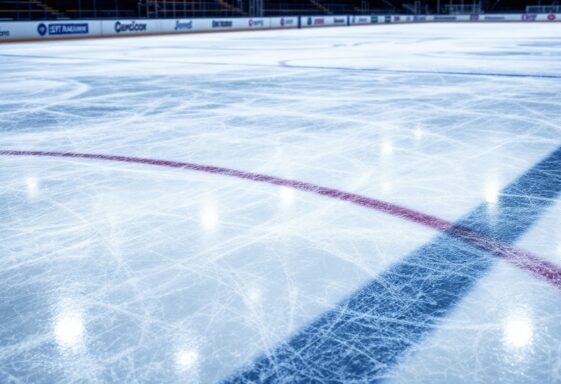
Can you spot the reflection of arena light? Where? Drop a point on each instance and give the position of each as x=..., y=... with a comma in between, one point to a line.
x=69, y=329
x=518, y=332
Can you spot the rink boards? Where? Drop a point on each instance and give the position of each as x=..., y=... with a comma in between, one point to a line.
x=63, y=29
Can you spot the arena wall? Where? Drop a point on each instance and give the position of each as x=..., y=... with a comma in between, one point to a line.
x=72, y=29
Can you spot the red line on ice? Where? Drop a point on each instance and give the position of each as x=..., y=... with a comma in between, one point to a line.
x=517, y=257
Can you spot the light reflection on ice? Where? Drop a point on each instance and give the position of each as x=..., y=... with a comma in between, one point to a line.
x=32, y=187
x=518, y=331
x=69, y=329
x=186, y=359
x=387, y=149
x=491, y=191
x=286, y=196
x=209, y=217
x=254, y=295
x=418, y=133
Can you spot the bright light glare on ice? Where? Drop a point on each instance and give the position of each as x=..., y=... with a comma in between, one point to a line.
x=69, y=329
x=254, y=295
x=209, y=217
x=32, y=187
x=518, y=332
x=186, y=359
x=286, y=196
x=387, y=149
x=491, y=192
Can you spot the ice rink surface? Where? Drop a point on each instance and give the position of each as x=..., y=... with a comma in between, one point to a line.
x=131, y=268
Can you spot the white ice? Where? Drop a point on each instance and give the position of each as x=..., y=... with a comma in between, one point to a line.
x=112, y=272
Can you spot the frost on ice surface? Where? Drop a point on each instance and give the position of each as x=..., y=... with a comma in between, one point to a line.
x=119, y=272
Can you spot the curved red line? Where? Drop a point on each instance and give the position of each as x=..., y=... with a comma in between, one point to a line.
x=517, y=257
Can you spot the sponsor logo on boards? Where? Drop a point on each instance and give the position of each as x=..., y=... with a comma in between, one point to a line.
x=374, y=19
x=63, y=29
x=183, y=25
x=396, y=18
x=4, y=33
x=339, y=20
x=222, y=23
x=388, y=19
x=256, y=23
x=132, y=26
x=42, y=29
x=286, y=22
x=445, y=18
x=420, y=18
x=551, y=17
x=474, y=17
x=363, y=20
x=529, y=17
x=316, y=21
x=493, y=18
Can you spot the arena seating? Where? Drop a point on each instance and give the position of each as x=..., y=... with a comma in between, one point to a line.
x=82, y=9
x=27, y=10
x=292, y=7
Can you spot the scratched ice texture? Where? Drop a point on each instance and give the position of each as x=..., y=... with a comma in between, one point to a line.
x=114, y=272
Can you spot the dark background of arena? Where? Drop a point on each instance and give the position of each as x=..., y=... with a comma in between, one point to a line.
x=84, y=9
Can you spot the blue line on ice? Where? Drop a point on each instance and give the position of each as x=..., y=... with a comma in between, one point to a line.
x=367, y=333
